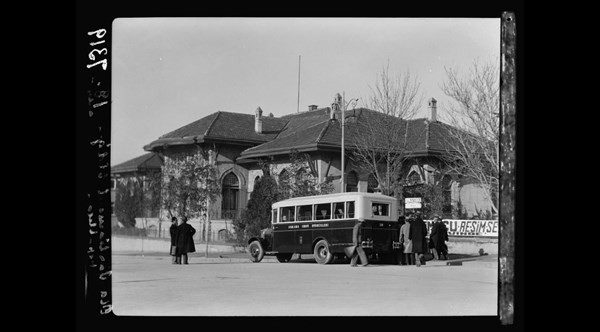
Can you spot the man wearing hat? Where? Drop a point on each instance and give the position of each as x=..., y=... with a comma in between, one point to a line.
x=417, y=234
x=438, y=238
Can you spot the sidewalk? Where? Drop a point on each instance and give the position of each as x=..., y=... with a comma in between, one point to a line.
x=488, y=261
x=484, y=260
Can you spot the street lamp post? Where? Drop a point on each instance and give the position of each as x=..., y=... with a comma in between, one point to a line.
x=343, y=115
x=339, y=103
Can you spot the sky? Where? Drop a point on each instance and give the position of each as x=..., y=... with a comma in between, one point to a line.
x=169, y=72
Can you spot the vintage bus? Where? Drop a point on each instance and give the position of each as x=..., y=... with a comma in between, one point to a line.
x=322, y=225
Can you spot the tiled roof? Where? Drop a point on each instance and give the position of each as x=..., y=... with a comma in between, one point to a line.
x=226, y=126
x=198, y=127
x=144, y=162
x=302, y=137
x=241, y=127
x=316, y=131
x=311, y=130
x=444, y=137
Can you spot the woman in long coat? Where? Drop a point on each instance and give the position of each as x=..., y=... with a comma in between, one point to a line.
x=173, y=232
x=184, y=240
x=417, y=233
x=404, y=238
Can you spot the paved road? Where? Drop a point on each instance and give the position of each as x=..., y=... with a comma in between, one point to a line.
x=233, y=286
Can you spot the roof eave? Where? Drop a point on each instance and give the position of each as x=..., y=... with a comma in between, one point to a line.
x=246, y=142
x=277, y=151
x=164, y=142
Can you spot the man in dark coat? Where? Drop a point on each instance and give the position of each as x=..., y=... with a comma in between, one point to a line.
x=184, y=240
x=417, y=233
x=439, y=236
x=173, y=232
x=356, y=250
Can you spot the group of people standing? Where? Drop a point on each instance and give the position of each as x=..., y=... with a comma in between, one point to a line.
x=182, y=242
x=413, y=233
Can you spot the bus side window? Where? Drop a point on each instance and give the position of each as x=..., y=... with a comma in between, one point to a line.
x=380, y=209
x=305, y=212
x=287, y=214
x=339, y=210
x=323, y=211
x=350, y=209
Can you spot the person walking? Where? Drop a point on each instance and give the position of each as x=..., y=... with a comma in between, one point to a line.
x=184, y=241
x=356, y=250
x=173, y=232
x=404, y=238
x=417, y=234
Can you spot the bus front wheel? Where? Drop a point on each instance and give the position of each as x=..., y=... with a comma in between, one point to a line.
x=322, y=253
x=256, y=251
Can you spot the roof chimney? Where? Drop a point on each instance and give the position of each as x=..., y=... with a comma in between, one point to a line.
x=312, y=107
x=258, y=120
x=433, y=108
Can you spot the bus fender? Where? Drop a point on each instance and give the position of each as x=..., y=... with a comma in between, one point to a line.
x=319, y=239
x=263, y=242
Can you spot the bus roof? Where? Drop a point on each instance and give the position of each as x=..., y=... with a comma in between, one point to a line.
x=331, y=198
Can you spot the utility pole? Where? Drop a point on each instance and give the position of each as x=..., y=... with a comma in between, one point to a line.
x=207, y=233
x=339, y=103
x=298, y=104
x=207, y=224
x=343, y=112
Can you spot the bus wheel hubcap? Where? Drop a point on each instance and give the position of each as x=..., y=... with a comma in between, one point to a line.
x=323, y=252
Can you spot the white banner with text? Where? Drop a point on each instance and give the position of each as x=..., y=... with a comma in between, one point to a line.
x=487, y=228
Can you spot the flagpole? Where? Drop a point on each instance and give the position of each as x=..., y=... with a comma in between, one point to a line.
x=343, y=115
x=298, y=104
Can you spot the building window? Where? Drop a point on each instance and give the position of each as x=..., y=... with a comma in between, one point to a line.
x=414, y=178
x=223, y=235
x=229, y=203
x=284, y=176
x=352, y=182
x=372, y=183
x=255, y=182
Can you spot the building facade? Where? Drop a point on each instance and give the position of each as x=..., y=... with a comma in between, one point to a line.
x=240, y=143
x=138, y=169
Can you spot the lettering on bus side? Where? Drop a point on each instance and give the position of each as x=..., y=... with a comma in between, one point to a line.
x=320, y=225
x=293, y=226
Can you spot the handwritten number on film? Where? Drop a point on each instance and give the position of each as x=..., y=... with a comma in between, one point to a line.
x=98, y=52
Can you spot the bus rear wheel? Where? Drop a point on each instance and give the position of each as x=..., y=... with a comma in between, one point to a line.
x=284, y=258
x=256, y=251
x=322, y=253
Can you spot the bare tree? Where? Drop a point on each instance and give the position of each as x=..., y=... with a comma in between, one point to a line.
x=473, y=145
x=395, y=95
x=379, y=137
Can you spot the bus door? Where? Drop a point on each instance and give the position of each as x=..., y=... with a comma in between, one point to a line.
x=283, y=232
x=384, y=231
x=303, y=234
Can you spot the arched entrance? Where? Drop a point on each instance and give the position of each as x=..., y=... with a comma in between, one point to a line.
x=230, y=196
x=352, y=182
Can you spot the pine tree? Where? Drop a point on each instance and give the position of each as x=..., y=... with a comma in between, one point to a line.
x=257, y=215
